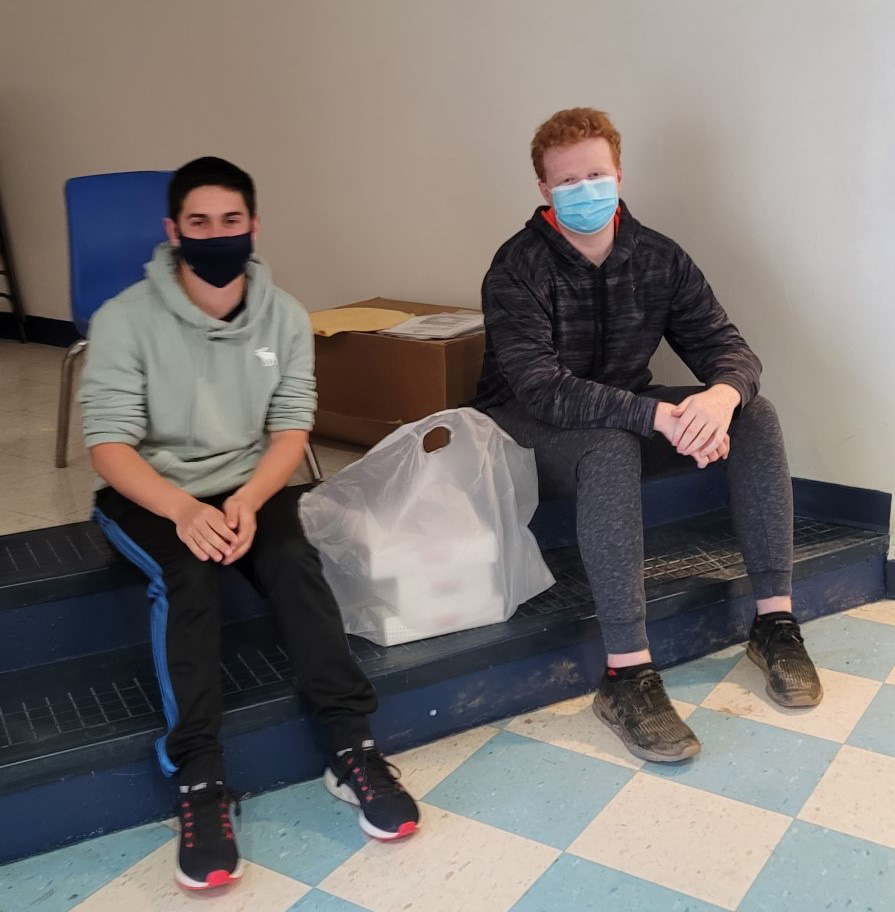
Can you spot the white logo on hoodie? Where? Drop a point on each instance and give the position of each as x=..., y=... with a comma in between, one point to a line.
x=266, y=356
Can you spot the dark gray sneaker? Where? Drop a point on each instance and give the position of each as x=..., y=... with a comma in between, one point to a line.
x=777, y=648
x=638, y=710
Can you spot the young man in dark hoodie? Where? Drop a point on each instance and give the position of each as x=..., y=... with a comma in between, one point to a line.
x=575, y=306
x=198, y=396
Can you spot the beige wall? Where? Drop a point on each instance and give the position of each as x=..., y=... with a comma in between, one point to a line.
x=389, y=141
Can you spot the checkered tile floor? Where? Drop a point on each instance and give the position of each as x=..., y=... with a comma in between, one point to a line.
x=783, y=810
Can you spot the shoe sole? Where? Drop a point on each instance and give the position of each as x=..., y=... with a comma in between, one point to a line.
x=344, y=793
x=686, y=752
x=796, y=701
x=216, y=878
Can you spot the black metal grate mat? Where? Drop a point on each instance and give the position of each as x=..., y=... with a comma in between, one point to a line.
x=114, y=693
x=56, y=707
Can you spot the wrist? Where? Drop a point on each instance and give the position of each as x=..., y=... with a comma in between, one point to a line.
x=730, y=393
x=248, y=496
x=177, y=503
x=663, y=412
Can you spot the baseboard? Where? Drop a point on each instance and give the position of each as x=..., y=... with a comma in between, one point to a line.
x=842, y=505
x=43, y=330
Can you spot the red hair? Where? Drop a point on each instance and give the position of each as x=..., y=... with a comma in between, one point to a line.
x=565, y=128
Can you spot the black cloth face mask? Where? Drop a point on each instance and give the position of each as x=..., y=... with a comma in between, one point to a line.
x=217, y=260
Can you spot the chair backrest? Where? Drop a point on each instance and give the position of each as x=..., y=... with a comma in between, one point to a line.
x=114, y=222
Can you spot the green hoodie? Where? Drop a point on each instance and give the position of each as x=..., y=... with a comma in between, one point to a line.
x=195, y=396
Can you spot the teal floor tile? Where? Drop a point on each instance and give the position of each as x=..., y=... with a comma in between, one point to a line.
x=762, y=765
x=530, y=788
x=300, y=831
x=814, y=869
x=876, y=730
x=317, y=901
x=503, y=723
x=58, y=881
x=694, y=681
x=575, y=885
x=852, y=645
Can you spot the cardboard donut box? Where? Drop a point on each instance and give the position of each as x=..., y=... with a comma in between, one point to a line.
x=369, y=384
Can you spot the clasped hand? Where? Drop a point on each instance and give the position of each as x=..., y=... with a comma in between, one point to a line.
x=698, y=427
x=221, y=535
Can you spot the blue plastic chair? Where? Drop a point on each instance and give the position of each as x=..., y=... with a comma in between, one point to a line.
x=114, y=223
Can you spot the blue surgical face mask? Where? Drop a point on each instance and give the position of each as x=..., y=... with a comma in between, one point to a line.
x=217, y=260
x=586, y=207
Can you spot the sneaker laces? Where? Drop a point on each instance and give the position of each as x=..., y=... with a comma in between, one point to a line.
x=648, y=685
x=785, y=632
x=375, y=774
x=207, y=812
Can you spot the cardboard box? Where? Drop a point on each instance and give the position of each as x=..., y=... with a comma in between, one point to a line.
x=369, y=384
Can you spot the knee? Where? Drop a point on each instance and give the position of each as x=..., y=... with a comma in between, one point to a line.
x=759, y=413
x=288, y=551
x=612, y=452
x=192, y=575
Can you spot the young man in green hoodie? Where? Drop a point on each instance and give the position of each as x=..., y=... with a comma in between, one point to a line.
x=198, y=396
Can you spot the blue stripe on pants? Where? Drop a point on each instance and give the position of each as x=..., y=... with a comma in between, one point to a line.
x=158, y=597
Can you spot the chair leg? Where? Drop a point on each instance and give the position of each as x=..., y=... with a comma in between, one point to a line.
x=313, y=464
x=65, y=390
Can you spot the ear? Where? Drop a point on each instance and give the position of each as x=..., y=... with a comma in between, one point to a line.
x=619, y=179
x=172, y=232
x=545, y=192
x=255, y=226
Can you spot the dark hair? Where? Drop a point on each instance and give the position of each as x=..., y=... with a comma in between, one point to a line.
x=208, y=172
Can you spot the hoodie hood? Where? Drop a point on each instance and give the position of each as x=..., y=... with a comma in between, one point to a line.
x=622, y=247
x=161, y=273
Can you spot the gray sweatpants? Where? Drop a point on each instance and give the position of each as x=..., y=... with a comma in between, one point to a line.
x=602, y=467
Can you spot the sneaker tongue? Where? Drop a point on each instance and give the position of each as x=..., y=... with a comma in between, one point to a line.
x=198, y=787
x=777, y=617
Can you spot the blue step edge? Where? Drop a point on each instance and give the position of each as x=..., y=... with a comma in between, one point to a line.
x=273, y=744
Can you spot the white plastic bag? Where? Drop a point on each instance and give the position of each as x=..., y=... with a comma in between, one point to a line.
x=418, y=544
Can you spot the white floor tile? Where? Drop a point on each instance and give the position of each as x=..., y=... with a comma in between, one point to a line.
x=33, y=437
x=149, y=887
x=25, y=366
x=17, y=360
x=883, y=611
x=15, y=469
x=424, y=767
x=19, y=522
x=335, y=456
x=573, y=725
x=742, y=693
x=692, y=841
x=55, y=493
x=28, y=397
x=856, y=796
x=452, y=864
x=891, y=678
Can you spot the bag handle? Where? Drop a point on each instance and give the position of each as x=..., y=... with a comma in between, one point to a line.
x=450, y=419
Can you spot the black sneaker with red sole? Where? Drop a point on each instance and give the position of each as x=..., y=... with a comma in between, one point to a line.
x=364, y=778
x=208, y=856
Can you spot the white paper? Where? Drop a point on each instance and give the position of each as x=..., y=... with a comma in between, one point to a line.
x=439, y=326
